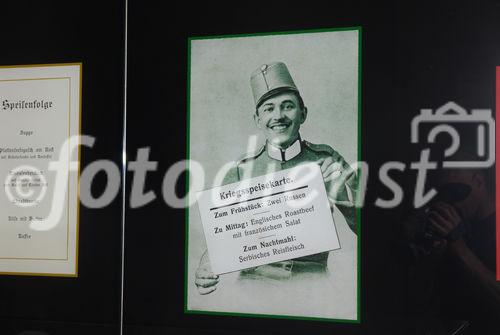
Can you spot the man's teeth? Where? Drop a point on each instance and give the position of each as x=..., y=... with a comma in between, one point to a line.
x=280, y=127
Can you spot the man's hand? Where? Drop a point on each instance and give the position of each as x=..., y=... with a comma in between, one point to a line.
x=334, y=176
x=330, y=168
x=206, y=281
x=444, y=218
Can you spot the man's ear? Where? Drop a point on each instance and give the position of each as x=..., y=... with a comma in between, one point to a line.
x=304, y=115
x=256, y=119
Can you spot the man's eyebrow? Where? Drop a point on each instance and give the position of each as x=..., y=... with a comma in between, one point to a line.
x=288, y=101
x=267, y=104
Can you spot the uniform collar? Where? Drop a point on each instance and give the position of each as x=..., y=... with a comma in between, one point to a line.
x=284, y=155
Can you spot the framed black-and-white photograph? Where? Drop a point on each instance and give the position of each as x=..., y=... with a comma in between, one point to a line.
x=259, y=107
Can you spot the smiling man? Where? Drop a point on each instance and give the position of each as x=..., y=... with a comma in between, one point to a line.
x=279, y=113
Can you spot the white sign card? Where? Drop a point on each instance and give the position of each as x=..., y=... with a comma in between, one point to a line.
x=275, y=217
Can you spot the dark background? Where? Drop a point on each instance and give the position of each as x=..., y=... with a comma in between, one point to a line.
x=414, y=56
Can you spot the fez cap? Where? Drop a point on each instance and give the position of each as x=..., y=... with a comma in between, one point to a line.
x=271, y=79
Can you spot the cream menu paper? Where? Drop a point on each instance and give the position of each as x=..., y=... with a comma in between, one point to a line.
x=39, y=111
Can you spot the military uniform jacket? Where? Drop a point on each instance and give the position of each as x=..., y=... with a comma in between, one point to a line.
x=270, y=159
